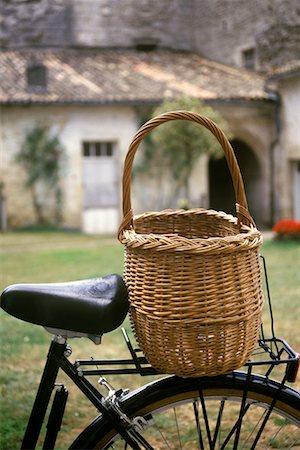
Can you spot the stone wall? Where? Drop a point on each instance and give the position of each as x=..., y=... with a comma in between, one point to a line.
x=73, y=125
x=105, y=23
x=97, y=23
x=287, y=150
x=31, y=23
x=226, y=28
x=251, y=124
x=217, y=29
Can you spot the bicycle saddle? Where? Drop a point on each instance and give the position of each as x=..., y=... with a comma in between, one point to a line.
x=80, y=308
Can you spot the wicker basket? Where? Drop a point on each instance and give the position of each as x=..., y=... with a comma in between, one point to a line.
x=194, y=276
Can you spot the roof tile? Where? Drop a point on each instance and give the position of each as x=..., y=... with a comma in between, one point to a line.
x=124, y=76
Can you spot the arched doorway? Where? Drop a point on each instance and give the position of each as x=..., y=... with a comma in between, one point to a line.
x=221, y=194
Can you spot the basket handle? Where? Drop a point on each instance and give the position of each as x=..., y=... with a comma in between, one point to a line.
x=242, y=211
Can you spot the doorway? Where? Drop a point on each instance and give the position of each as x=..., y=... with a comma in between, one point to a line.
x=221, y=193
x=100, y=188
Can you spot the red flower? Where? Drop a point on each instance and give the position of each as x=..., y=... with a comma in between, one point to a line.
x=287, y=227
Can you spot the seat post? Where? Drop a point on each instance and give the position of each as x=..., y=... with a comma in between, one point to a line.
x=56, y=351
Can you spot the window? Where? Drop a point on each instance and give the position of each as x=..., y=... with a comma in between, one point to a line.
x=100, y=179
x=37, y=77
x=97, y=149
x=249, y=58
x=146, y=44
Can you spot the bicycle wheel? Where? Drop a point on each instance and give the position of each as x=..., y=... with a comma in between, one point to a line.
x=204, y=413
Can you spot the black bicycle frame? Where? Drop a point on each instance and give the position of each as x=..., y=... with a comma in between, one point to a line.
x=277, y=350
x=57, y=359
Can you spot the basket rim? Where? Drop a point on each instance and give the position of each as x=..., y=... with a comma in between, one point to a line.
x=247, y=237
x=192, y=211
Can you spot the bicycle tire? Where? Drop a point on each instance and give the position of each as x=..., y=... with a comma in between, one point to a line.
x=282, y=429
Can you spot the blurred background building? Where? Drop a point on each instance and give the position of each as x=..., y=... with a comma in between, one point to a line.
x=94, y=70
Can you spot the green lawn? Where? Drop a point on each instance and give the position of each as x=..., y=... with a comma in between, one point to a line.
x=38, y=257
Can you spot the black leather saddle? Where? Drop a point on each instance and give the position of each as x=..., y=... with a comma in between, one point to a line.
x=79, y=308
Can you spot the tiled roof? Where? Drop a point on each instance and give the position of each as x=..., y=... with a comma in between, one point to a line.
x=124, y=76
x=288, y=70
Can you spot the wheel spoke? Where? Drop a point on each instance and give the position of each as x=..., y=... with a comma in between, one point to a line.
x=177, y=428
x=181, y=418
x=275, y=436
x=206, y=421
x=218, y=424
x=264, y=412
x=142, y=440
x=198, y=427
x=262, y=426
x=161, y=433
x=294, y=444
x=233, y=429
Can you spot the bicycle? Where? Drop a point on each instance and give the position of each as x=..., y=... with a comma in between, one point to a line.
x=238, y=410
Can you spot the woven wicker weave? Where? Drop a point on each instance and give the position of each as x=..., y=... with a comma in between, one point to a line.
x=193, y=276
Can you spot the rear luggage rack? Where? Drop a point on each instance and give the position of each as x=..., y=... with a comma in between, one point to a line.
x=270, y=352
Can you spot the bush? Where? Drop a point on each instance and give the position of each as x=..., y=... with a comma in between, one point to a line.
x=175, y=148
x=41, y=156
x=287, y=229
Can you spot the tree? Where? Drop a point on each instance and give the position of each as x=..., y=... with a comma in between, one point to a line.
x=41, y=156
x=176, y=146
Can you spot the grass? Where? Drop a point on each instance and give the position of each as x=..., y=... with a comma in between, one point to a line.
x=283, y=266
x=56, y=256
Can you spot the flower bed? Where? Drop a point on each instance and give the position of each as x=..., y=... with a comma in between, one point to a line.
x=287, y=229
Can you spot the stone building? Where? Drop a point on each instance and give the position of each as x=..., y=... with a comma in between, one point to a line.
x=94, y=68
x=260, y=34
